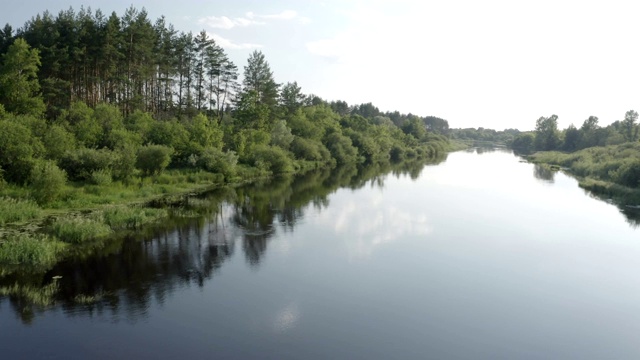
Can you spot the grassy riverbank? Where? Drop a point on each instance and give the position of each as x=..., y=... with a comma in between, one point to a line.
x=609, y=171
x=95, y=215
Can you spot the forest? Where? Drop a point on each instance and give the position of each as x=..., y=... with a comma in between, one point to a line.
x=99, y=110
x=93, y=99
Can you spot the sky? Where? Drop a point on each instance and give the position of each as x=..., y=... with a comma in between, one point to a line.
x=493, y=63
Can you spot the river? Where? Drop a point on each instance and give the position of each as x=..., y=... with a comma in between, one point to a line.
x=481, y=256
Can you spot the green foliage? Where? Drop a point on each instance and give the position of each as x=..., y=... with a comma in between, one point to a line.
x=153, y=159
x=281, y=135
x=547, y=137
x=19, y=84
x=140, y=122
x=14, y=210
x=29, y=250
x=629, y=126
x=18, y=147
x=341, y=149
x=57, y=141
x=80, y=164
x=129, y=218
x=217, y=161
x=124, y=164
x=617, y=163
x=414, y=127
x=47, y=182
x=84, y=125
x=271, y=158
x=77, y=230
x=204, y=132
x=308, y=149
x=101, y=177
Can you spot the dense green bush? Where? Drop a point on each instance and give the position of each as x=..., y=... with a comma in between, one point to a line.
x=58, y=141
x=307, y=149
x=101, y=177
x=47, y=182
x=153, y=159
x=341, y=149
x=272, y=159
x=217, y=161
x=80, y=164
x=18, y=148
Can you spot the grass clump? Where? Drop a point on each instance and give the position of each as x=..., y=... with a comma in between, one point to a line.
x=79, y=230
x=130, y=218
x=13, y=210
x=30, y=250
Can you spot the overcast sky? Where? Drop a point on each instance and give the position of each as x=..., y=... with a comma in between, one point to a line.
x=491, y=63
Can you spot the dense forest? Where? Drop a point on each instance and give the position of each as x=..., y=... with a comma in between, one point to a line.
x=94, y=99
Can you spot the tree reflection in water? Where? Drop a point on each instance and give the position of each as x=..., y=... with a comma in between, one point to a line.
x=121, y=278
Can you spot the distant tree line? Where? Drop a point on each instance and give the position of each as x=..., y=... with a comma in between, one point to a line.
x=482, y=135
x=547, y=136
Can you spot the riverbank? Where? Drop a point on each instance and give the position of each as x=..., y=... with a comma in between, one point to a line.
x=92, y=216
x=611, y=172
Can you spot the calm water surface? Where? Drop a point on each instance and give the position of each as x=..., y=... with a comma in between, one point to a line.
x=479, y=257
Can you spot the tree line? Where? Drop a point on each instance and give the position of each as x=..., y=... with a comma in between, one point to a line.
x=96, y=99
x=547, y=136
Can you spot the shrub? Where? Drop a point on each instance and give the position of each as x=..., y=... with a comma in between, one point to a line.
x=153, y=159
x=307, y=149
x=281, y=135
x=341, y=149
x=18, y=147
x=628, y=174
x=47, y=182
x=57, y=141
x=216, y=161
x=101, y=177
x=271, y=158
x=82, y=163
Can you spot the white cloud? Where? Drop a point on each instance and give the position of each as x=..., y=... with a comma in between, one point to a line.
x=223, y=22
x=229, y=44
x=250, y=19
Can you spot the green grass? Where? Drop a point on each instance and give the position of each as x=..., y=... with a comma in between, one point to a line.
x=14, y=210
x=30, y=250
x=612, y=171
x=129, y=217
x=77, y=230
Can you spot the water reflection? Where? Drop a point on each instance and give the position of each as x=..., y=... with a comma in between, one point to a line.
x=544, y=173
x=121, y=281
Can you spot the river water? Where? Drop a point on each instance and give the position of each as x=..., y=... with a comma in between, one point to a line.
x=481, y=256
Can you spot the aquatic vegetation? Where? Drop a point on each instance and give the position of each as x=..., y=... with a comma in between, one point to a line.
x=30, y=249
x=78, y=230
x=130, y=217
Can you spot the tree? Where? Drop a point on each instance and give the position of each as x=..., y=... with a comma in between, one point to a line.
x=19, y=87
x=571, y=138
x=259, y=78
x=629, y=126
x=547, y=133
x=291, y=97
